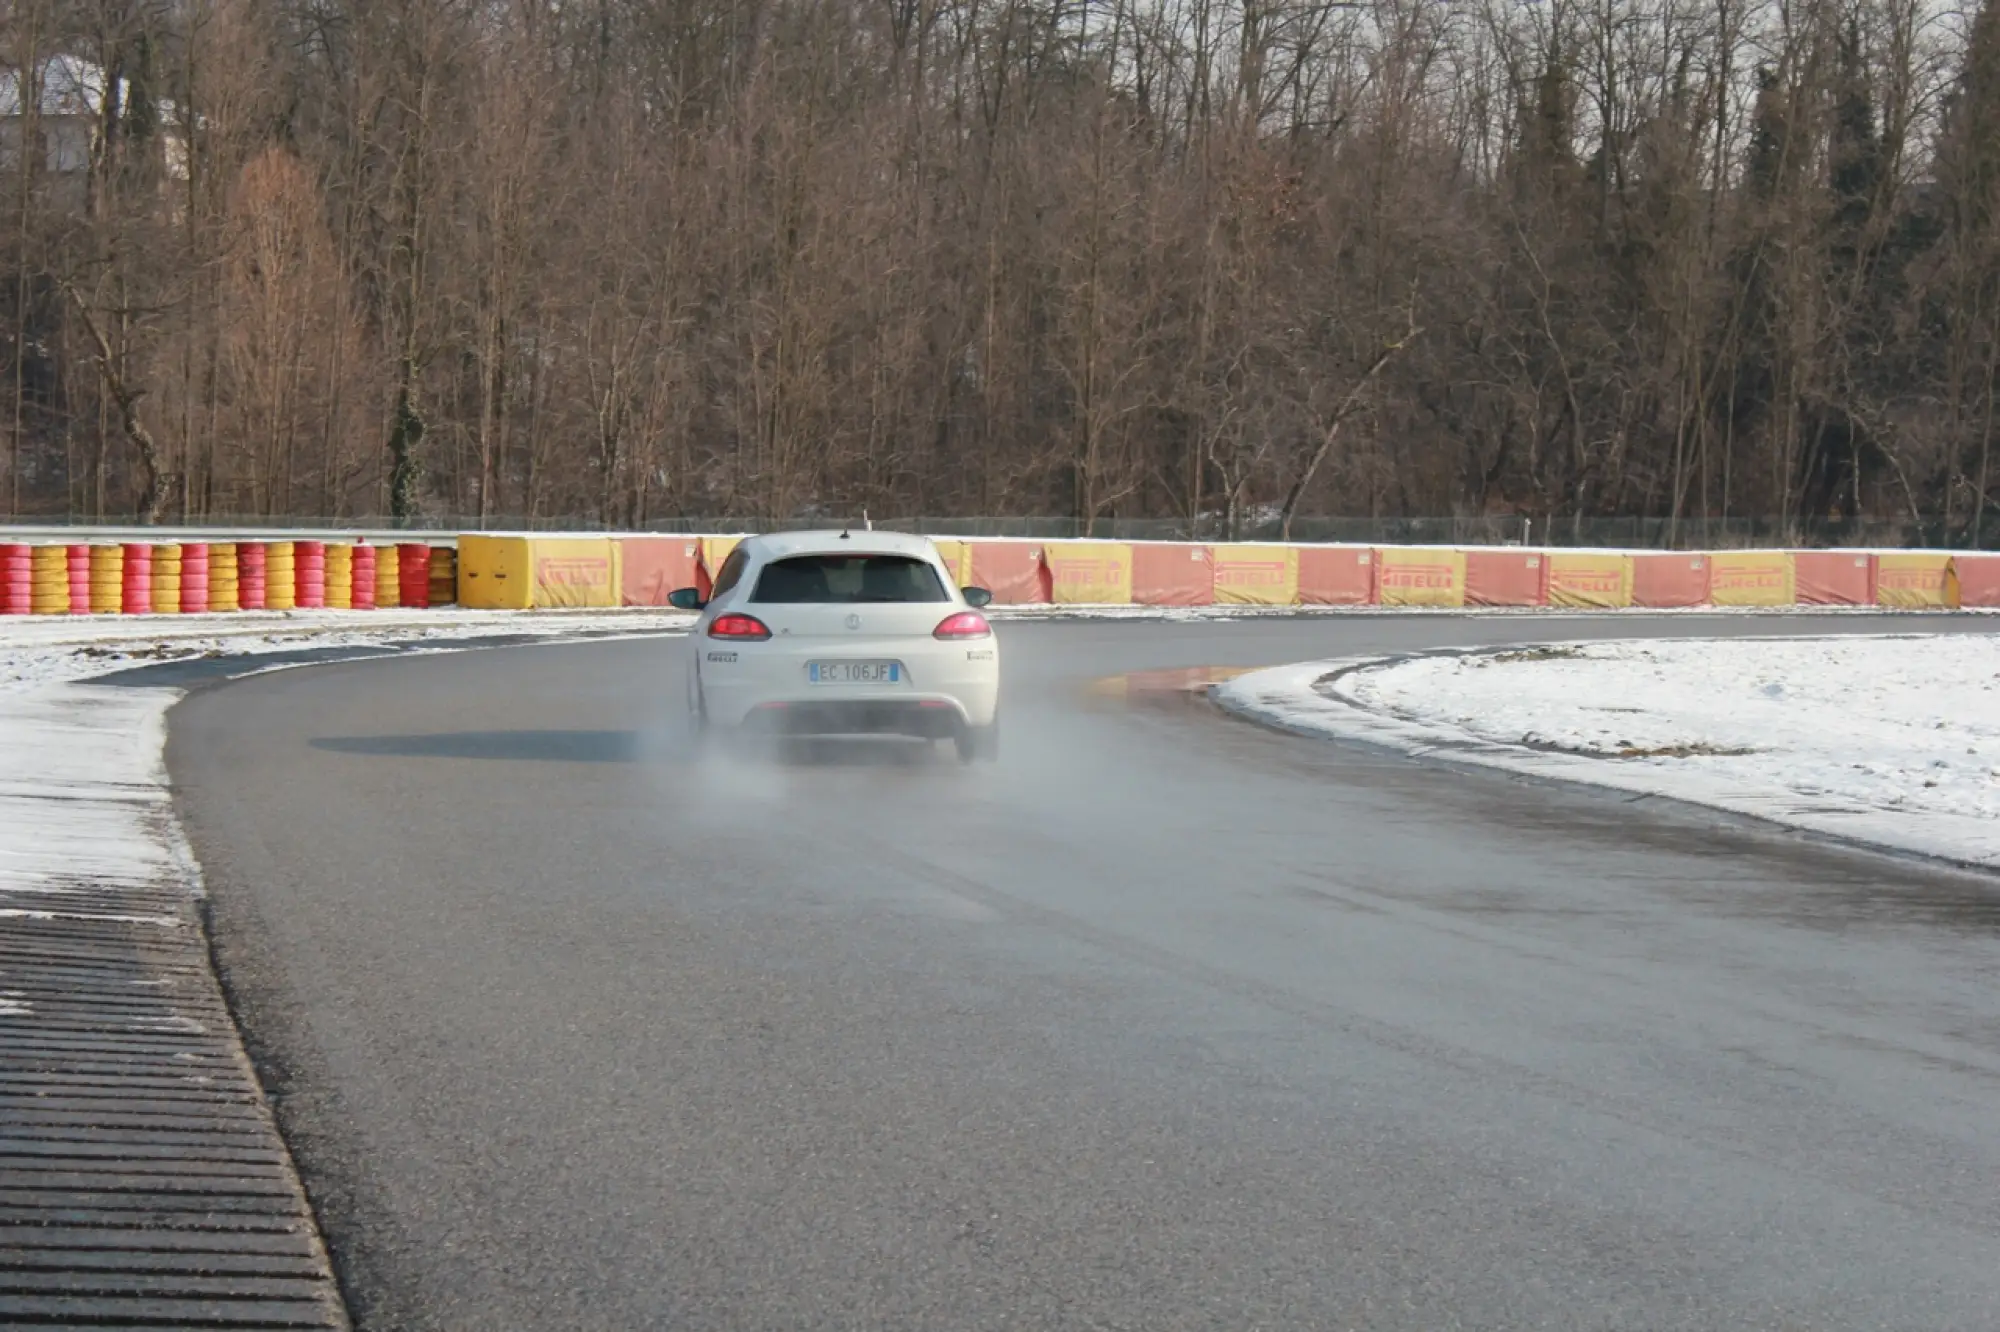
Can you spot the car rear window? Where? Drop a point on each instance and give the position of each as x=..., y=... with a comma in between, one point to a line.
x=836, y=579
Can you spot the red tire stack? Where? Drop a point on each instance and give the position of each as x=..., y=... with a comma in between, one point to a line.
x=413, y=570
x=309, y=568
x=138, y=579
x=363, y=595
x=16, y=580
x=194, y=578
x=79, y=580
x=250, y=582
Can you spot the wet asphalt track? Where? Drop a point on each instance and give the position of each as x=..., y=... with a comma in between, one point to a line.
x=1166, y=1022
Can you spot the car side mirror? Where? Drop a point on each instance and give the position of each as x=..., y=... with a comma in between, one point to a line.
x=686, y=598
x=977, y=596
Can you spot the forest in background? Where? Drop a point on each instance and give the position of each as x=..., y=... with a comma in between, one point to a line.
x=1222, y=262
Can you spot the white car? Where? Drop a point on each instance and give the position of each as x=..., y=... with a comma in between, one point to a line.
x=843, y=633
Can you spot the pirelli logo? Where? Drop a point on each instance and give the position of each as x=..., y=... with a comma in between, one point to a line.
x=1748, y=580
x=1610, y=581
x=1248, y=573
x=1912, y=580
x=1424, y=577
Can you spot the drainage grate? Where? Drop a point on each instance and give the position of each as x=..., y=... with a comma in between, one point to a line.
x=142, y=1182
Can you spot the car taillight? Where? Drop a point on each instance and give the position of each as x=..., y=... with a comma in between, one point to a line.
x=738, y=626
x=965, y=624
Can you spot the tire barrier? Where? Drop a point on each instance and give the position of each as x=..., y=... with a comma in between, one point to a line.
x=339, y=592
x=281, y=576
x=413, y=575
x=601, y=572
x=107, y=579
x=194, y=578
x=225, y=576
x=77, y=559
x=48, y=581
x=309, y=575
x=388, y=578
x=137, y=592
x=361, y=578
x=166, y=580
x=252, y=575
x=17, y=582
x=442, y=587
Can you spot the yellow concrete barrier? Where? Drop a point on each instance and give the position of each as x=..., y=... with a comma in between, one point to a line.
x=1751, y=578
x=1421, y=576
x=1591, y=579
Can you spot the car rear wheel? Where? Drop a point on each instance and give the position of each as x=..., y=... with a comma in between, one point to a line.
x=978, y=744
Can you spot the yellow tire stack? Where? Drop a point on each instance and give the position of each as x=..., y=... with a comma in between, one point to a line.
x=444, y=576
x=280, y=577
x=166, y=580
x=224, y=578
x=48, y=586
x=107, y=579
x=339, y=577
x=388, y=579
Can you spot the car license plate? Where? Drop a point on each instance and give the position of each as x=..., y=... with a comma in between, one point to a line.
x=855, y=672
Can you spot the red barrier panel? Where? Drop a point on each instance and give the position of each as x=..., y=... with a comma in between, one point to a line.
x=1506, y=578
x=252, y=581
x=138, y=579
x=1012, y=571
x=1336, y=576
x=361, y=573
x=17, y=579
x=1662, y=582
x=309, y=574
x=1978, y=579
x=1172, y=574
x=194, y=577
x=79, y=580
x=652, y=568
x=413, y=574
x=1834, y=578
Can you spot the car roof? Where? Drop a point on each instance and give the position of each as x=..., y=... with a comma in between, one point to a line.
x=780, y=545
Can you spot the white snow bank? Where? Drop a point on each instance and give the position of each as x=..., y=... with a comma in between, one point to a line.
x=1892, y=741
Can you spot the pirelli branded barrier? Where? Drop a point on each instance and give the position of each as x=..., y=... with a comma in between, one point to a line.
x=525, y=572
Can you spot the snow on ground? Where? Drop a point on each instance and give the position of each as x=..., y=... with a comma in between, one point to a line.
x=1892, y=741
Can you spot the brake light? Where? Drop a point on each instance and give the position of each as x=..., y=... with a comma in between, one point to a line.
x=737, y=626
x=965, y=624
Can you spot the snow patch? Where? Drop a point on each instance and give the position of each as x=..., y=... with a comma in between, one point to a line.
x=1892, y=741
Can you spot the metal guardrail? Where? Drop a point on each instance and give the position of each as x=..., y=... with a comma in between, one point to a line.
x=374, y=536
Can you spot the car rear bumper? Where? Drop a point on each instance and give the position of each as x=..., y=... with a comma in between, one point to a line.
x=931, y=719
x=946, y=690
